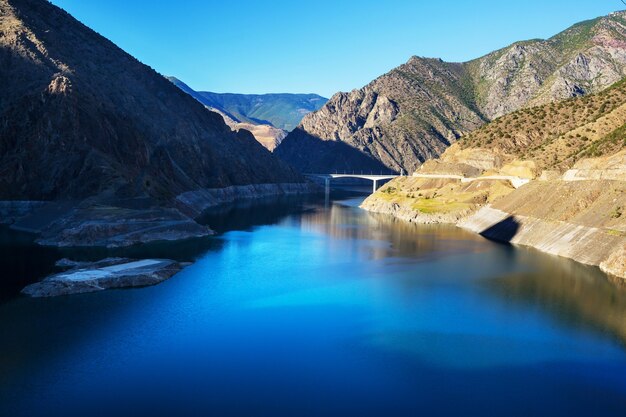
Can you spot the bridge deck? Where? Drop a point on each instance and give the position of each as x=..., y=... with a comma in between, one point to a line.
x=371, y=177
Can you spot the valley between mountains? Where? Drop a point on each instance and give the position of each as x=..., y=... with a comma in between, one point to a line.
x=99, y=150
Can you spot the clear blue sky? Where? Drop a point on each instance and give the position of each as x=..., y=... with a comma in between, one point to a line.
x=317, y=46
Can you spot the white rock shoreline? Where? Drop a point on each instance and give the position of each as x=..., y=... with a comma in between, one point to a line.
x=106, y=274
x=601, y=246
x=115, y=224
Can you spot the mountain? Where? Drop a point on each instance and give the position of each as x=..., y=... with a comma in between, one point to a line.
x=81, y=119
x=556, y=136
x=78, y=116
x=414, y=112
x=268, y=116
x=552, y=177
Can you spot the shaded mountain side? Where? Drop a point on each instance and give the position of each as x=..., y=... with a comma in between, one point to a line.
x=414, y=112
x=309, y=153
x=79, y=117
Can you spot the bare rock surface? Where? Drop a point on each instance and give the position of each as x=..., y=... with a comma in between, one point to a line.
x=615, y=264
x=106, y=274
x=611, y=168
x=118, y=227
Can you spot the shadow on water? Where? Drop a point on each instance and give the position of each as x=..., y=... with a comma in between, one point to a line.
x=573, y=294
x=22, y=261
x=247, y=215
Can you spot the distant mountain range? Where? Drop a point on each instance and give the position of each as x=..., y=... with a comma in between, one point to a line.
x=417, y=110
x=268, y=116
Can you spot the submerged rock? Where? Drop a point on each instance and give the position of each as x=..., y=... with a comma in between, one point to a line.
x=105, y=274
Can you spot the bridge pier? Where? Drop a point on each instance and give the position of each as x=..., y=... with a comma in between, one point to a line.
x=375, y=186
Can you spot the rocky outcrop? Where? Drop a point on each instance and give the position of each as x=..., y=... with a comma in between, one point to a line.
x=194, y=203
x=106, y=274
x=417, y=110
x=122, y=223
x=114, y=227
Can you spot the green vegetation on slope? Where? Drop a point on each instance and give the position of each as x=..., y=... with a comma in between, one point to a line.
x=559, y=134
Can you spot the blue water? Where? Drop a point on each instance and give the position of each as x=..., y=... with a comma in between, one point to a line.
x=312, y=310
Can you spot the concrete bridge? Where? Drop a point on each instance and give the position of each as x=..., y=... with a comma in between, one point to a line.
x=371, y=177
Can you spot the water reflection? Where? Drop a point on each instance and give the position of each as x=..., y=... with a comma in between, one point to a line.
x=299, y=308
x=574, y=294
x=22, y=262
x=395, y=238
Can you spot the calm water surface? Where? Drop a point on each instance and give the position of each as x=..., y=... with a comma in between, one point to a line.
x=301, y=309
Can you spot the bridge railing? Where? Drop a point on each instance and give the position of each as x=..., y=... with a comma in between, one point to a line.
x=361, y=172
x=365, y=172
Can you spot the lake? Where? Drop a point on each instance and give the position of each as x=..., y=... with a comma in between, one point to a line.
x=306, y=308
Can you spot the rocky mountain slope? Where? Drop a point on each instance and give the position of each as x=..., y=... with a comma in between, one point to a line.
x=556, y=135
x=268, y=116
x=417, y=110
x=571, y=153
x=81, y=119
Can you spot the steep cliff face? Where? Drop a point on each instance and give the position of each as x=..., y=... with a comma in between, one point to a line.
x=417, y=110
x=80, y=118
x=583, y=59
x=399, y=120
